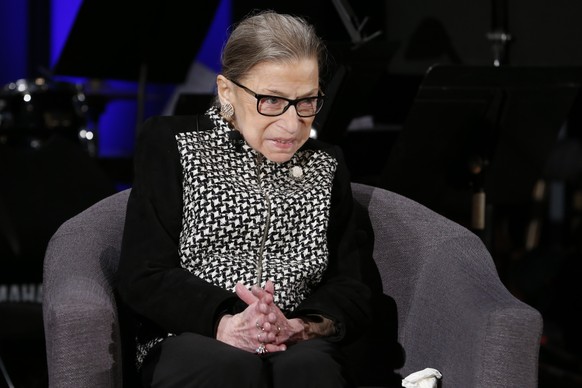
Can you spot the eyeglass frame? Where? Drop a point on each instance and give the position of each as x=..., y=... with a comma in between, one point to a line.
x=289, y=101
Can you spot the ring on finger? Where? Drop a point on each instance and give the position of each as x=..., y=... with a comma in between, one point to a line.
x=262, y=349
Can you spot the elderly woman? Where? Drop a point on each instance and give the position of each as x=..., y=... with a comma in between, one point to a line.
x=239, y=261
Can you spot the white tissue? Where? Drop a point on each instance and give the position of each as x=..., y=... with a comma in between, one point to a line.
x=426, y=378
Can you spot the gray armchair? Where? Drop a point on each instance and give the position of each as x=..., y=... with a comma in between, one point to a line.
x=454, y=314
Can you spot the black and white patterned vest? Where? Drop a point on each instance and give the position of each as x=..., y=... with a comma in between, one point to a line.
x=247, y=219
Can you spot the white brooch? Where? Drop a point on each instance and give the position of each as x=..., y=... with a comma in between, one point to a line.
x=296, y=173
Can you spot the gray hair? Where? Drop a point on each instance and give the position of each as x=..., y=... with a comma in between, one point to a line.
x=268, y=36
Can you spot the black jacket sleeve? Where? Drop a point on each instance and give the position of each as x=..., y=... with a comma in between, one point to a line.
x=343, y=295
x=151, y=281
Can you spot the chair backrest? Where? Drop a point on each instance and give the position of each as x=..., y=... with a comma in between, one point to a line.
x=454, y=313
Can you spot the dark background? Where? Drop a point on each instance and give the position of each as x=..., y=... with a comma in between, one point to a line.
x=47, y=175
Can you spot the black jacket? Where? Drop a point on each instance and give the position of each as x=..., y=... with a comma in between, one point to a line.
x=168, y=298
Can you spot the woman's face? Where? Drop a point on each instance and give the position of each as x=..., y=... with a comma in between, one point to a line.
x=278, y=137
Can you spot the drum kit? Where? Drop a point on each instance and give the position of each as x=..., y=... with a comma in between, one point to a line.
x=32, y=111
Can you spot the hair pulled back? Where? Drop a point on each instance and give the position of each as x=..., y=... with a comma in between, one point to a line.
x=268, y=36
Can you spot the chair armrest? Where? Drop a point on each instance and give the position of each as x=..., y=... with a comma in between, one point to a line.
x=454, y=313
x=463, y=322
x=82, y=332
x=83, y=341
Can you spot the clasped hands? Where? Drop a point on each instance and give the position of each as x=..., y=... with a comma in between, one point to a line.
x=261, y=327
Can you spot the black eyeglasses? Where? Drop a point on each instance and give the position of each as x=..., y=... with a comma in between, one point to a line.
x=275, y=105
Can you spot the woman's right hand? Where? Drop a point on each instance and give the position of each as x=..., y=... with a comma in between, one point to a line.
x=252, y=327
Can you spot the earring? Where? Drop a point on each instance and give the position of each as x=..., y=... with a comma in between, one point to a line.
x=227, y=110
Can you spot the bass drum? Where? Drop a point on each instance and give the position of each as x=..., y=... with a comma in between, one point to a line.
x=34, y=110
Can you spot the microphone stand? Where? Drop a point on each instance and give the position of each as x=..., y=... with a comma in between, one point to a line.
x=353, y=26
x=499, y=36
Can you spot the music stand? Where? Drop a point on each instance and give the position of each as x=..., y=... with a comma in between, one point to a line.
x=143, y=41
x=349, y=92
x=476, y=130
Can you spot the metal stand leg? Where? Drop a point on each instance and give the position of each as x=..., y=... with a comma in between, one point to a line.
x=4, y=373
